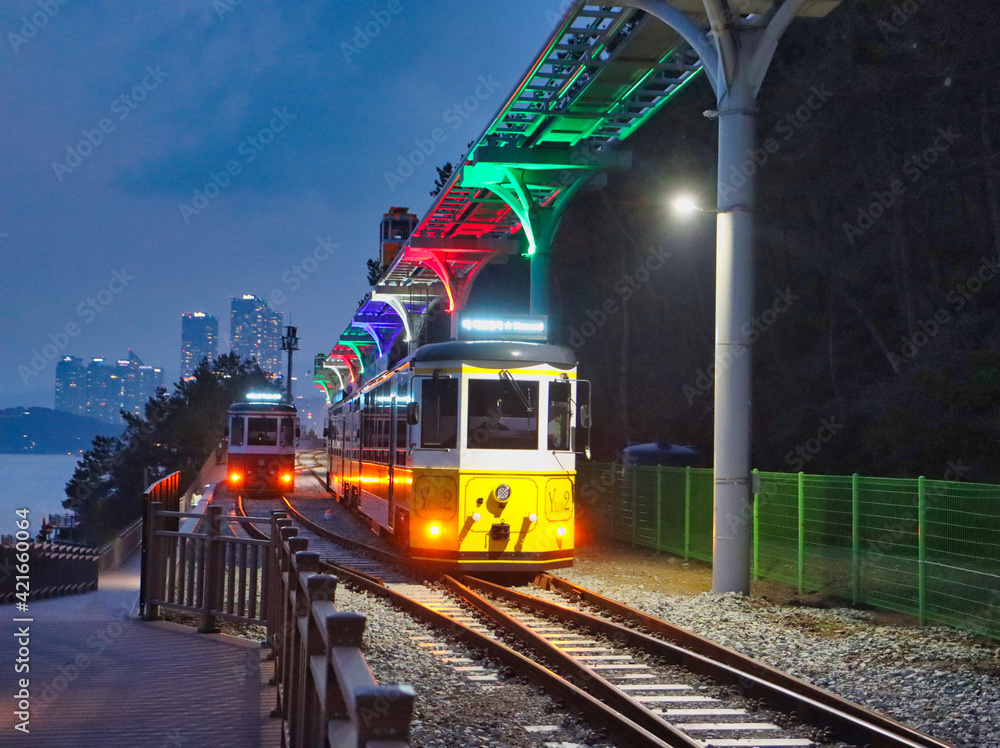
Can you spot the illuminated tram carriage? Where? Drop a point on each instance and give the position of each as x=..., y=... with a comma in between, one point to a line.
x=465, y=453
x=262, y=446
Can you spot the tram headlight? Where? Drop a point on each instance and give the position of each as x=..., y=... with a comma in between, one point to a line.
x=561, y=531
x=532, y=518
x=434, y=530
x=503, y=493
x=476, y=517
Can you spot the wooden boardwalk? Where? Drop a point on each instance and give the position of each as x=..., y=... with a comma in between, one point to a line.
x=100, y=678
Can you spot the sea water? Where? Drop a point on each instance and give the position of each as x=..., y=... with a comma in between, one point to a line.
x=33, y=482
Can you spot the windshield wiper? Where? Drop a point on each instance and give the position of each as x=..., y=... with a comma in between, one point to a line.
x=506, y=376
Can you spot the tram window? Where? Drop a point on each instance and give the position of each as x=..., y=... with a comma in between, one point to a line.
x=236, y=431
x=287, y=432
x=262, y=432
x=559, y=412
x=439, y=413
x=498, y=418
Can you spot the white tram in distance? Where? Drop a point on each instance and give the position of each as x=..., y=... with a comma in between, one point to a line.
x=261, y=438
x=464, y=454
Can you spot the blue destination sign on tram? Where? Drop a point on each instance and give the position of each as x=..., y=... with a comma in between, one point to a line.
x=505, y=327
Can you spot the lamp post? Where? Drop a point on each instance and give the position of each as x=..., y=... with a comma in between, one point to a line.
x=290, y=342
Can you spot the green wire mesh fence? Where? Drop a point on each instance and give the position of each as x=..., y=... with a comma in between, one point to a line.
x=924, y=547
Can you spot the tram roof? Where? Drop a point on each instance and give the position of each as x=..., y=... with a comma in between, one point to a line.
x=278, y=409
x=496, y=350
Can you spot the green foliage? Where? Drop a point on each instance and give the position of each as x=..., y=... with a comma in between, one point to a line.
x=374, y=272
x=178, y=432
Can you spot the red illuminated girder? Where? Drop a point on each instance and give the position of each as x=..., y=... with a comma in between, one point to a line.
x=457, y=262
x=347, y=357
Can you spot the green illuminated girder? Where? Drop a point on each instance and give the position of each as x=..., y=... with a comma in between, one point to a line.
x=537, y=183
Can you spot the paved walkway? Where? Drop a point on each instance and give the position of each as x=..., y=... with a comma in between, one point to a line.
x=100, y=678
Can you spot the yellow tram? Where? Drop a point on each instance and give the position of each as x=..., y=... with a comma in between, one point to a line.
x=464, y=453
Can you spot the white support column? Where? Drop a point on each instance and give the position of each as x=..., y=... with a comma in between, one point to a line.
x=736, y=53
x=734, y=291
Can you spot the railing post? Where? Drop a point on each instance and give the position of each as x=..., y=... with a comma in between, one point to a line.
x=687, y=512
x=855, y=540
x=152, y=575
x=922, y=549
x=659, y=508
x=302, y=563
x=211, y=574
x=143, y=557
x=802, y=532
x=755, y=479
x=309, y=712
x=272, y=580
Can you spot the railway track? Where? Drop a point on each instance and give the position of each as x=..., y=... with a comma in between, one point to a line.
x=638, y=677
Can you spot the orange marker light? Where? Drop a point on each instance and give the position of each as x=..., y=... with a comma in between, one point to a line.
x=434, y=530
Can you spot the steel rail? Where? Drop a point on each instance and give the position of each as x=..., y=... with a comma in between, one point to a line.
x=602, y=688
x=596, y=712
x=784, y=692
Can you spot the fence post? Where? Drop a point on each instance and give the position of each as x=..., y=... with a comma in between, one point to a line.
x=635, y=507
x=855, y=540
x=922, y=548
x=802, y=532
x=211, y=574
x=659, y=508
x=756, y=529
x=687, y=512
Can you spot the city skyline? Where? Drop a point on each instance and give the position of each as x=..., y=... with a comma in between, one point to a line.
x=101, y=389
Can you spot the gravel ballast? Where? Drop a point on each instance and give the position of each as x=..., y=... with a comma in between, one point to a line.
x=936, y=679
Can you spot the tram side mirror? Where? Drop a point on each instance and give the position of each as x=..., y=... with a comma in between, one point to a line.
x=412, y=414
x=585, y=416
x=326, y=431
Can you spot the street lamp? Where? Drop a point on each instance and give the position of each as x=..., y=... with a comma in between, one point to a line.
x=687, y=205
x=290, y=342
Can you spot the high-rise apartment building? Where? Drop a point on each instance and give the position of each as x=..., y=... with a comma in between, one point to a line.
x=102, y=389
x=71, y=385
x=199, y=340
x=255, y=332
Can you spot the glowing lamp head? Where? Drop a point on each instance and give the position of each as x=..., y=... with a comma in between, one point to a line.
x=434, y=530
x=561, y=531
x=685, y=204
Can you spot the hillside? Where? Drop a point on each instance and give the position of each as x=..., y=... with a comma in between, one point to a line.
x=877, y=343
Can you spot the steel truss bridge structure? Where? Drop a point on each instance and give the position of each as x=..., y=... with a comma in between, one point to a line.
x=603, y=73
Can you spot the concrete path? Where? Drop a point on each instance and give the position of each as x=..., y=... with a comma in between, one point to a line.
x=100, y=678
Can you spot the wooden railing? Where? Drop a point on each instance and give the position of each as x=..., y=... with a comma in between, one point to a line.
x=327, y=695
x=113, y=553
x=214, y=575
x=53, y=569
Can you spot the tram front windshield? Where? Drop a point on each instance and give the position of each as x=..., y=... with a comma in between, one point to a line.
x=262, y=432
x=498, y=419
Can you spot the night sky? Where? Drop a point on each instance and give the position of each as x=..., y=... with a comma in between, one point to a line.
x=157, y=158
